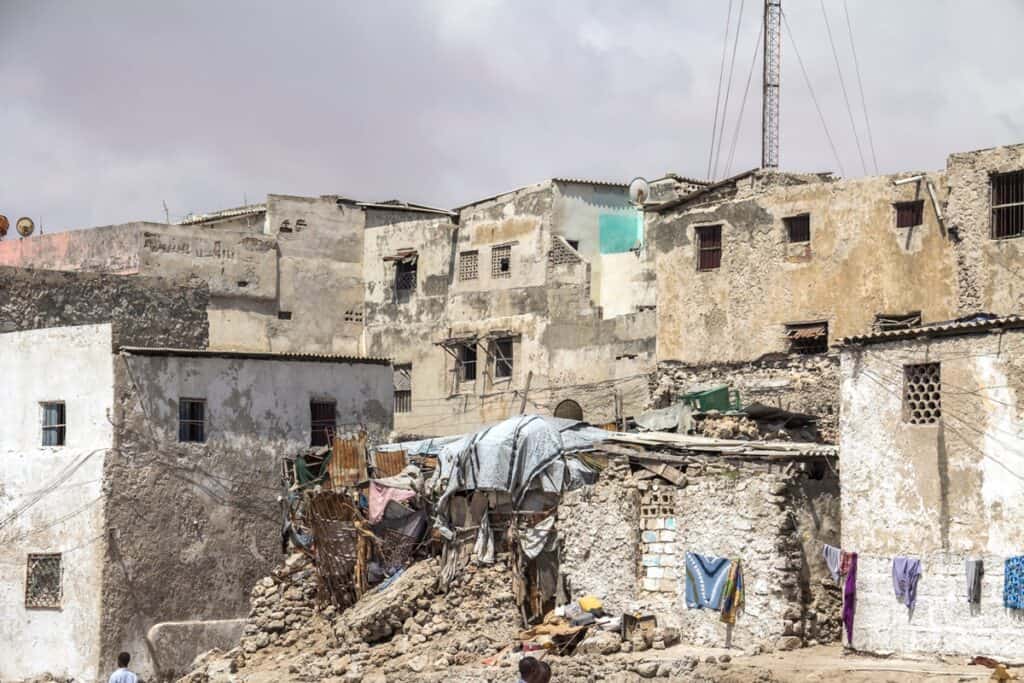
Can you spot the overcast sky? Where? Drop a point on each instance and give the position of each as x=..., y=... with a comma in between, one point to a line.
x=109, y=108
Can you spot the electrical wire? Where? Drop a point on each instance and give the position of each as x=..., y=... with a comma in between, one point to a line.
x=810, y=88
x=842, y=86
x=728, y=86
x=718, y=95
x=743, y=103
x=860, y=85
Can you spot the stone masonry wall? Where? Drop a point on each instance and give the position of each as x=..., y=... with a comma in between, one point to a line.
x=807, y=384
x=145, y=311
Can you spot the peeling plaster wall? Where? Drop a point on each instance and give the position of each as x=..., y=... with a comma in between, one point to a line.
x=195, y=525
x=857, y=264
x=74, y=365
x=941, y=492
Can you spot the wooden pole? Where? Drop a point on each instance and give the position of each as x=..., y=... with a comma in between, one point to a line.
x=526, y=390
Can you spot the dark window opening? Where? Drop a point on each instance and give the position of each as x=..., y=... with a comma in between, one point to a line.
x=807, y=338
x=43, y=581
x=403, y=388
x=922, y=393
x=405, y=279
x=575, y=244
x=501, y=261
x=897, y=321
x=243, y=283
x=285, y=226
x=322, y=422
x=503, y=361
x=909, y=214
x=467, y=363
x=300, y=224
x=54, y=424
x=192, y=420
x=1007, y=205
x=284, y=315
x=798, y=228
x=709, y=247
x=569, y=409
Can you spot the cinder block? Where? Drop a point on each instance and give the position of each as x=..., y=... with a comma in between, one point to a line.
x=651, y=584
x=668, y=585
x=668, y=548
x=657, y=548
x=659, y=523
x=649, y=536
x=655, y=572
x=651, y=560
x=670, y=523
x=667, y=536
x=667, y=560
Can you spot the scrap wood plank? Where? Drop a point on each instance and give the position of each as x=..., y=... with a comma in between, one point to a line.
x=666, y=471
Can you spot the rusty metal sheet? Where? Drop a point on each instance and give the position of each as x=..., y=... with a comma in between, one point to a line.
x=348, y=462
x=389, y=463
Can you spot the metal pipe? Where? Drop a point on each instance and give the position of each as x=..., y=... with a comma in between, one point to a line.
x=911, y=179
x=935, y=201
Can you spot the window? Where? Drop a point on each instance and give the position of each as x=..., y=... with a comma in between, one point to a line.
x=501, y=261
x=709, y=247
x=285, y=226
x=909, y=214
x=192, y=420
x=897, y=321
x=284, y=315
x=798, y=228
x=1007, y=205
x=405, y=278
x=42, y=581
x=300, y=224
x=468, y=262
x=467, y=362
x=503, y=362
x=322, y=422
x=808, y=338
x=54, y=424
x=569, y=409
x=575, y=244
x=354, y=315
x=403, y=388
x=922, y=393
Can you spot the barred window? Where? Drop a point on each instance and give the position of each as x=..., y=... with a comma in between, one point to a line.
x=403, y=388
x=501, y=261
x=405, y=276
x=467, y=362
x=503, y=361
x=54, y=424
x=43, y=581
x=909, y=214
x=1007, y=205
x=709, y=247
x=468, y=265
x=192, y=420
x=922, y=393
x=322, y=422
x=798, y=228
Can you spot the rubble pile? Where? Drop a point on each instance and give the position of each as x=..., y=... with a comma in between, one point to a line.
x=718, y=426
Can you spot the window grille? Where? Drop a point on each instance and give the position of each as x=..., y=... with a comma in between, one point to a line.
x=922, y=393
x=43, y=581
x=1007, y=205
x=468, y=265
x=192, y=420
x=54, y=423
x=467, y=363
x=909, y=214
x=405, y=280
x=354, y=315
x=403, y=388
x=807, y=338
x=501, y=261
x=897, y=321
x=798, y=228
x=709, y=247
x=322, y=422
x=284, y=315
x=503, y=362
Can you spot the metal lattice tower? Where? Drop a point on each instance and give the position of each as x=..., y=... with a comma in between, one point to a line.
x=770, y=96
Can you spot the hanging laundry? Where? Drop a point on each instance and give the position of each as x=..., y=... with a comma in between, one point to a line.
x=1013, y=583
x=848, y=566
x=975, y=570
x=832, y=555
x=733, y=593
x=380, y=496
x=905, y=573
x=705, y=579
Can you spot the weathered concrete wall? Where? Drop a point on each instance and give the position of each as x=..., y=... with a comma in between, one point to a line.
x=51, y=497
x=195, y=525
x=987, y=269
x=145, y=311
x=857, y=264
x=940, y=492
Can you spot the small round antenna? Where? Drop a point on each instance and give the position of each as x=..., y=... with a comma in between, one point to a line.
x=639, y=191
x=25, y=226
x=4, y=225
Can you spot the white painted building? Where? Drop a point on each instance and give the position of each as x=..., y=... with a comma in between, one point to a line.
x=144, y=520
x=932, y=445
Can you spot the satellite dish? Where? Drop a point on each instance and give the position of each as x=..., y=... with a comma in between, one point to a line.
x=25, y=226
x=639, y=191
x=4, y=225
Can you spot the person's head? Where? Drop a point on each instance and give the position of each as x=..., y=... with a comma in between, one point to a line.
x=544, y=674
x=528, y=668
x=123, y=659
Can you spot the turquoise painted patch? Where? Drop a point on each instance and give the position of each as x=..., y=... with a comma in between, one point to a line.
x=620, y=232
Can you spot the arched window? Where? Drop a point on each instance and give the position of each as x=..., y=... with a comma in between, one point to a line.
x=569, y=409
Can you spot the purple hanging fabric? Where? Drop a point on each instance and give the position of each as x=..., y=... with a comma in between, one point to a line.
x=850, y=594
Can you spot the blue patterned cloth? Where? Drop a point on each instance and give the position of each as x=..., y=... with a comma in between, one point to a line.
x=1013, y=584
x=705, y=578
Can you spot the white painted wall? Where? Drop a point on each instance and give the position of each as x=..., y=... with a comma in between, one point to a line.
x=72, y=364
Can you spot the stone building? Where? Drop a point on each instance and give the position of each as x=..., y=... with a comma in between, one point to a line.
x=758, y=274
x=933, y=469
x=139, y=479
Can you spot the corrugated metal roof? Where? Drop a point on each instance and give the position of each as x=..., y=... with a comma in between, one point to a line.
x=725, y=447
x=257, y=355
x=221, y=215
x=970, y=325
x=396, y=205
x=584, y=181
